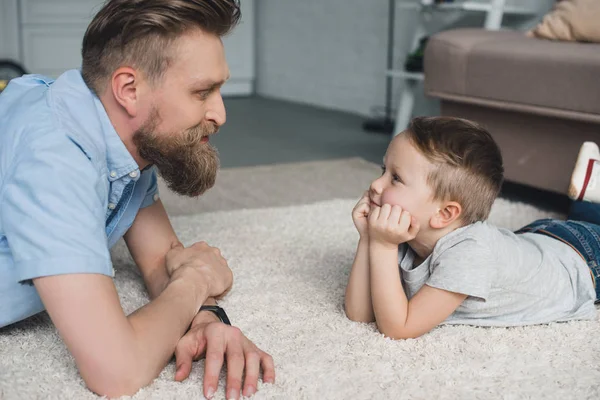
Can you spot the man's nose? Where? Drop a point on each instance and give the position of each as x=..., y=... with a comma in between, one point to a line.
x=216, y=110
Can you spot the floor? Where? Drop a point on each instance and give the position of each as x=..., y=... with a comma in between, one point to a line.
x=261, y=131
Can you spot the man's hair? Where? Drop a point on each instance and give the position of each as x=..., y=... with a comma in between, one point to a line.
x=140, y=33
x=467, y=163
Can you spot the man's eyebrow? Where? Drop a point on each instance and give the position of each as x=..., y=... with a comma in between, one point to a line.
x=204, y=85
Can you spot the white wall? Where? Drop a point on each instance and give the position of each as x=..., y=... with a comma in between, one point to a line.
x=9, y=30
x=332, y=53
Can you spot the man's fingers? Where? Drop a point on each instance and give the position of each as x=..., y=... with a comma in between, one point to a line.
x=252, y=370
x=235, y=365
x=184, y=354
x=215, y=348
x=268, y=367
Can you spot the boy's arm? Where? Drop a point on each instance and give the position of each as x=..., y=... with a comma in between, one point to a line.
x=357, y=303
x=397, y=317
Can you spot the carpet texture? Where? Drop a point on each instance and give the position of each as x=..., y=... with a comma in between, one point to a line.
x=291, y=265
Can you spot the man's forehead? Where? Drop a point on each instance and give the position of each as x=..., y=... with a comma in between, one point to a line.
x=201, y=55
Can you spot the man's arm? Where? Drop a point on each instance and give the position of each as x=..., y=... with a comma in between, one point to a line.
x=156, y=250
x=357, y=302
x=115, y=354
x=149, y=240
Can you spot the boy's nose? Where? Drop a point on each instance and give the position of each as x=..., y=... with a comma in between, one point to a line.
x=377, y=186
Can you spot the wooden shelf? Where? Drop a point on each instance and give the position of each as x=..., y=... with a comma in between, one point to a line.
x=464, y=6
x=398, y=73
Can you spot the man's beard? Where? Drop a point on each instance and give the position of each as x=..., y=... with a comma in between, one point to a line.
x=188, y=166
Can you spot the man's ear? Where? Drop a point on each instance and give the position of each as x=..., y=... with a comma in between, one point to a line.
x=446, y=214
x=125, y=84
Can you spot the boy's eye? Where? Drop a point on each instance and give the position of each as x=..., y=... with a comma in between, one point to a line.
x=396, y=178
x=382, y=169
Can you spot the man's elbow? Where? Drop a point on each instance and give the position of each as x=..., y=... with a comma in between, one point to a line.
x=112, y=381
x=113, y=388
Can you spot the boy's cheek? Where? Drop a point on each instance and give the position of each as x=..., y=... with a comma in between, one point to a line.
x=395, y=200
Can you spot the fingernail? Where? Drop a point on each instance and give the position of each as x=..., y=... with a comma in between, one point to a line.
x=210, y=393
x=251, y=390
x=233, y=394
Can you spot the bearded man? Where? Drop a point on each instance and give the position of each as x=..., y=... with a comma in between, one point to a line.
x=79, y=158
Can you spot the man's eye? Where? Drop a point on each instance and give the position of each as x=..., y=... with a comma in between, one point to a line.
x=204, y=94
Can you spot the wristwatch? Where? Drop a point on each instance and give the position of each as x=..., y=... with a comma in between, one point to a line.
x=218, y=311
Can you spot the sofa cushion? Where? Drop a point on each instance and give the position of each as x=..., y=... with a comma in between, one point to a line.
x=509, y=67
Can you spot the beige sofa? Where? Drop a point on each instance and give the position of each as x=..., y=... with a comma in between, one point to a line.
x=540, y=99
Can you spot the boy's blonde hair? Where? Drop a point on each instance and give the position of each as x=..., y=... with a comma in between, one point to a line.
x=467, y=163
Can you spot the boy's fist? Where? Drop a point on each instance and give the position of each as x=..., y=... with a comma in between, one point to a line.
x=391, y=225
x=360, y=215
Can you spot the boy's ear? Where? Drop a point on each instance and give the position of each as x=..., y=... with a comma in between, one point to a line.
x=446, y=214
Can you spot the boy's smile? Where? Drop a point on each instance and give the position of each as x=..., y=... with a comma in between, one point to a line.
x=403, y=181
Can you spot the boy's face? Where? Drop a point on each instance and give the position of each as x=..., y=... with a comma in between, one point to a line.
x=404, y=181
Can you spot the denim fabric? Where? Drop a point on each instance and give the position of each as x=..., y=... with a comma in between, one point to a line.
x=69, y=188
x=582, y=235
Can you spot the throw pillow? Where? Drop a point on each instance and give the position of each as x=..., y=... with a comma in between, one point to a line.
x=571, y=20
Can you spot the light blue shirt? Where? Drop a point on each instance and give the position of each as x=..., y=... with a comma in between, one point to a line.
x=69, y=188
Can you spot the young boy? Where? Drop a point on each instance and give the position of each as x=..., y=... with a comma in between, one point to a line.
x=427, y=256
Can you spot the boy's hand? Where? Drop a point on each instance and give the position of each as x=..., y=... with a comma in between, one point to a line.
x=360, y=215
x=391, y=226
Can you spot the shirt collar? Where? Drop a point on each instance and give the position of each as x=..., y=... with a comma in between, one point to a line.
x=118, y=159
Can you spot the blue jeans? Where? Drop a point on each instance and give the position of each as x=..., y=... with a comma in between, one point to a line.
x=581, y=231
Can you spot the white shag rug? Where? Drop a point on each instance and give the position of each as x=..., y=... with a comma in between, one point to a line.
x=291, y=265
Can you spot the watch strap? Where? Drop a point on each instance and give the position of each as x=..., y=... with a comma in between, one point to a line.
x=218, y=311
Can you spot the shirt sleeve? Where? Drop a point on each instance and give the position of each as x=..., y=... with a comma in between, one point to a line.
x=465, y=268
x=152, y=194
x=52, y=213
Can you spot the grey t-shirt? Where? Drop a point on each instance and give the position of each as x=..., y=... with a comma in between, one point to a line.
x=510, y=279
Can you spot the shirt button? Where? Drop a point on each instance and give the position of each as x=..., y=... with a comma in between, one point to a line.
x=113, y=174
x=155, y=197
x=133, y=174
x=112, y=206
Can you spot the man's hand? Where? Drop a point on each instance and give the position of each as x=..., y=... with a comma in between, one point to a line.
x=390, y=226
x=360, y=215
x=221, y=343
x=202, y=263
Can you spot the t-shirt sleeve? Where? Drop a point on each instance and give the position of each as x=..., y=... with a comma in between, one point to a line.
x=465, y=268
x=52, y=214
x=152, y=194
